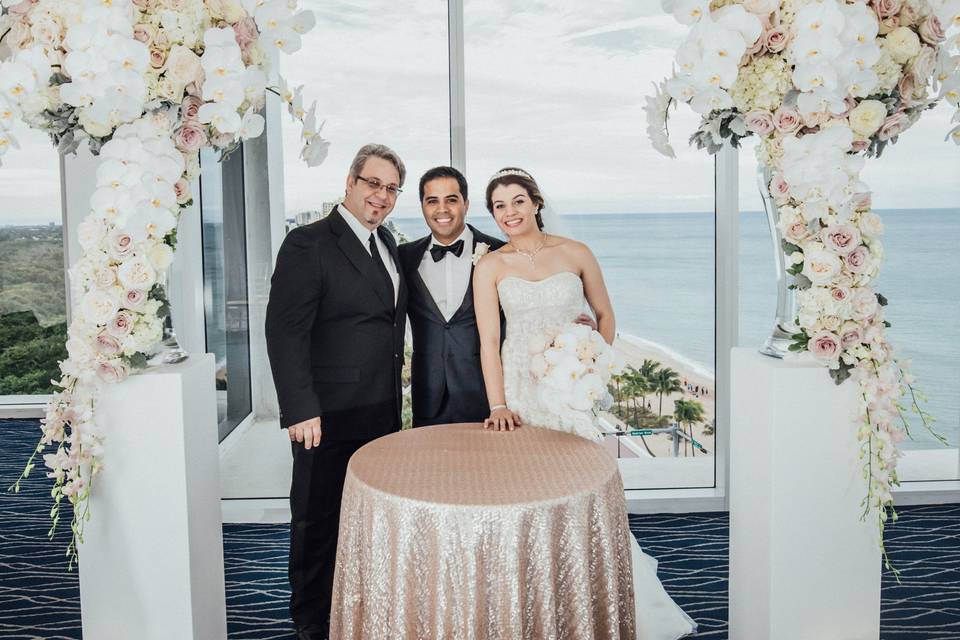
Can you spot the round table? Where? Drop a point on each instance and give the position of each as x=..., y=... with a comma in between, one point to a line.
x=454, y=531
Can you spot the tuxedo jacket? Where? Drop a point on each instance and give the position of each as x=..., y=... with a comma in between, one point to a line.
x=334, y=335
x=446, y=354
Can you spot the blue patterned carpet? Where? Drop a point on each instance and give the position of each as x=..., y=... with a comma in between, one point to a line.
x=39, y=599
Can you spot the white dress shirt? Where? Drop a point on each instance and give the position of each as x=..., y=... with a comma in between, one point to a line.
x=448, y=279
x=363, y=234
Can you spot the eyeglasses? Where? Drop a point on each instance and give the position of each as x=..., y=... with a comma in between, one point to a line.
x=376, y=185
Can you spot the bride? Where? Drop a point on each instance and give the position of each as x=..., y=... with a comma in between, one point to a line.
x=542, y=280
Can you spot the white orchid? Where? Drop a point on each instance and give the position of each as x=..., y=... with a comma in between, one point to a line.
x=223, y=117
x=9, y=113
x=227, y=91
x=251, y=126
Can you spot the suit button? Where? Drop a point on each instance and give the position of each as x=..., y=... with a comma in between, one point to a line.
x=396, y=355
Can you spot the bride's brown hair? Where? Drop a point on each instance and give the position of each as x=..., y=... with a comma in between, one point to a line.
x=514, y=175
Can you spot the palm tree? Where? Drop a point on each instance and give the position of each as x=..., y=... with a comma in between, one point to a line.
x=688, y=412
x=666, y=381
x=648, y=370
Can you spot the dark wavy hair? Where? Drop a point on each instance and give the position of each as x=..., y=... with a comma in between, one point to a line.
x=519, y=177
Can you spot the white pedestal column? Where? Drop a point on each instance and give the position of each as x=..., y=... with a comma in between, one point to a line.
x=802, y=564
x=151, y=565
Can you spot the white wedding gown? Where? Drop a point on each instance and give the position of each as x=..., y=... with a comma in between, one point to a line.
x=531, y=307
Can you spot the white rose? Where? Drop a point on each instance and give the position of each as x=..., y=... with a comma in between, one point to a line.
x=99, y=306
x=137, y=274
x=903, y=44
x=870, y=224
x=160, y=256
x=46, y=31
x=90, y=232
x=867, y=117
x=95, y=129
x=820, y=265
x=183, y=66
x=864, y=304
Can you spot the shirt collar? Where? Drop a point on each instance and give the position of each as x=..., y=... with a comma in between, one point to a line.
x=466, y=235
x=363, y=234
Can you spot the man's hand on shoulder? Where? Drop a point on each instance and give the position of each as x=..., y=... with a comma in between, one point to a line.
x=307, y=432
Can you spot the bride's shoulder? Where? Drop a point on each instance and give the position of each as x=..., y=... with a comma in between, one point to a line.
x=569, y=244
x=488, y=263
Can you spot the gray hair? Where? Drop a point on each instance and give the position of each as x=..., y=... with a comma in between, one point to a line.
x=379, y=151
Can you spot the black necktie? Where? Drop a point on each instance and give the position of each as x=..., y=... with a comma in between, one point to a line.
x=439, y=250
x=380, y=267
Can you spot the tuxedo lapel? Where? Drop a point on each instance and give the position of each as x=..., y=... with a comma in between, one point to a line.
x=416, y=280
x=387, y=238
x=355, y=252
x=466, y=306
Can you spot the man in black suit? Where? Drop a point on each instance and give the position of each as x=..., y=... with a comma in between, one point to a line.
x=446, y=377
x=335, y=331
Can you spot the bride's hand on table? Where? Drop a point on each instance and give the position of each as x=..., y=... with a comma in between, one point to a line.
x=502, y=419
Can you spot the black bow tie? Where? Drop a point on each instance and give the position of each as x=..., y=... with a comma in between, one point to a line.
x=437, y=250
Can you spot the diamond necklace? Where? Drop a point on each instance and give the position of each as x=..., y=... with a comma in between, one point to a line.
x=531, y=255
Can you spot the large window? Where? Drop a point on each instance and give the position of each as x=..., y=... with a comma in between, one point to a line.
x=379, y=74
x=226, y=309
x=32, y=290
x=557, y=88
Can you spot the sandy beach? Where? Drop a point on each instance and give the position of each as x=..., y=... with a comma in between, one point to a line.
x=635, y=350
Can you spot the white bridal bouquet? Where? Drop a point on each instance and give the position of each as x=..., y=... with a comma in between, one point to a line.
x=147, y=84
x=823, y=84
x=573, y=366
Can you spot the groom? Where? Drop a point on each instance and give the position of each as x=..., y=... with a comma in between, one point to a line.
x=446, y=376
x=335, y=330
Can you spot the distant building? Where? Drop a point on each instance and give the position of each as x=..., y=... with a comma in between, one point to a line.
x=328, y=207
x=307, y=217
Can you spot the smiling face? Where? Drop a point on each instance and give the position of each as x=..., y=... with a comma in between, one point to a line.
x=444, y=209
x=372, y=206
x=514, y=209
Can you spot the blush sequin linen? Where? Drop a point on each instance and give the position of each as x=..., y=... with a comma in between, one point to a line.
x=457, y=532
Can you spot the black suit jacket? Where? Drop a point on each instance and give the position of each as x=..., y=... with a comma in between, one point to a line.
x=446, y=354
x=334, y=335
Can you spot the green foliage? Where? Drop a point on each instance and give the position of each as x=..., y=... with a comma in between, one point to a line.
x=29, y=354
x=32, y=308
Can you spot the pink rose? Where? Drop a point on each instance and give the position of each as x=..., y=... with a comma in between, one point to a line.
x=120, y=244
x=112, y=372
x=121, y=324
x=190, y=137
x=107, y=344
x=760, y=122
x=182, y=188
x=779, y=188
x=864, y=304
x=787, y=120
x=134, y=299
x=862, y=201
x=905, y=87
x=246, y=32
x=894, y=125
x=824, y=345
x=190, y=107
x=859, y=145
x=776, y=39
x=144, y=33
x=840, y=238
x=797, y=231
x=840, y=293
x=850, y=337
x=886, y=8
x=889, y=24
x=858, y=260
x=157, y=58
x=931, y=31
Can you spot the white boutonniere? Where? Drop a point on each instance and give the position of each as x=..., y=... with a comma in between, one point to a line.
x=479, y=251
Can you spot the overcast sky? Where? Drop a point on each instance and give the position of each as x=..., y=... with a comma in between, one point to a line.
x=555, y=87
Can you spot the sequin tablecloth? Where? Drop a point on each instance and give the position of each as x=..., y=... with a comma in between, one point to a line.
x=455, y=532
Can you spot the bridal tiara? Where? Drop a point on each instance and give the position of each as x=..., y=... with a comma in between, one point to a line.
x=510, y=172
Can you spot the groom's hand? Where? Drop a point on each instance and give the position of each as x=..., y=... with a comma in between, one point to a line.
x=587, y=320
x=307, y=432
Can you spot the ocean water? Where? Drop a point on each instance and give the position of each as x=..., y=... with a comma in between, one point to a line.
x=659, y=269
